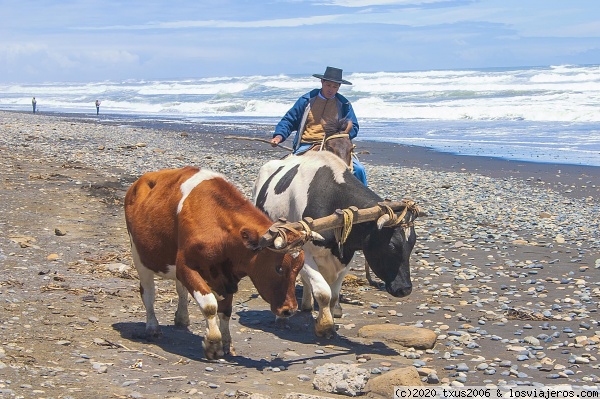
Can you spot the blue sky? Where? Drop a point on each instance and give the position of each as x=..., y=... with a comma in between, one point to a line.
x=101, y=40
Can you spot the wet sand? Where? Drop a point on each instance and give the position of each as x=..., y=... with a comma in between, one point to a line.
x=572, y=180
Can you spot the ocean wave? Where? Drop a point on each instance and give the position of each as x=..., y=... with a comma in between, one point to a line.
x=494, y=108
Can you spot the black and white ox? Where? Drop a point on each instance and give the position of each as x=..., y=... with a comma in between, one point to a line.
x=315, y=185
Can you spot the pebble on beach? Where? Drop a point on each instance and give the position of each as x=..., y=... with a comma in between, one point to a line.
x=505, y=282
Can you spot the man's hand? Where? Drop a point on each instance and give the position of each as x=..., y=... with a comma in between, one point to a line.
x=275, y=141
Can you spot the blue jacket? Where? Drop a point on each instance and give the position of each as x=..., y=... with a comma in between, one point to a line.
x=295, y=118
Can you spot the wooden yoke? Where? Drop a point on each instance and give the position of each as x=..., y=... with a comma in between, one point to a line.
x=336, y=220
x=312, y=227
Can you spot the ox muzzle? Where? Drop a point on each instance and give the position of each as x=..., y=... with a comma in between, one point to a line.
x=398, y=289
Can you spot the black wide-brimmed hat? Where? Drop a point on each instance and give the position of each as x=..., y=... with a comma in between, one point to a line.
x=332, y=74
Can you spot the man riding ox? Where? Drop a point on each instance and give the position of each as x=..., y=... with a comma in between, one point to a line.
x=315, y=185
x=313, y=111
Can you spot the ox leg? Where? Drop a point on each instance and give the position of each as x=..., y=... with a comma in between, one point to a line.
x=369, y=278
x=182, y=316
x=336, y=287
x=212, y=344
x=147, y=292
x=307, y=298
x=368, y=273
x=200, y=291
x=224, y=312
x=324, y=326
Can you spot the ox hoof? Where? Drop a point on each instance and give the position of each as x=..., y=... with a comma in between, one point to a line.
x=326, y=333
x=337, y=311
x=229, y=350
x=152, y=333
x=182, y=321
x=282, y=323
x=213, y=349
x=377, y=284
x=183, y=325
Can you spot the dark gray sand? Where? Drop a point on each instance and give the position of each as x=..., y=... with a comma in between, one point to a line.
x=505, y=272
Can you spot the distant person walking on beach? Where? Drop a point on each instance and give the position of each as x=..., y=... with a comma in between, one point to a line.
x=309, y=113
x=97, y=107
x=33, y=104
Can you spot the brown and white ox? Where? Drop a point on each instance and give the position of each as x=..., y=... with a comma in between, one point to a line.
x=193, y=226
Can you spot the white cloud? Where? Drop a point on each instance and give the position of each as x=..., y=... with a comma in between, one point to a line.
x=372, y=3
x=146, y=38
x=59, y=59
x=591, y=29
x=13, y=51
x=110, y=56
x=273, y=23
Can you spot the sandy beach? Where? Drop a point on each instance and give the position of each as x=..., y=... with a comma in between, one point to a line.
x=506, y=271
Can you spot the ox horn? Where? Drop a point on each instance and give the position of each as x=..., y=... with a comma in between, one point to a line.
x=276, y=238
x=278, y=243
x=390, y=207
x=389, y=218
x=268, y=239
x=383, y=220
x=316, y=236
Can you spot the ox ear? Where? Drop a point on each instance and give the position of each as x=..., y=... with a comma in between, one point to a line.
x=250, y=238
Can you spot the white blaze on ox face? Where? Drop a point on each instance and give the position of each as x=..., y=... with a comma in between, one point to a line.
x=193, y=182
